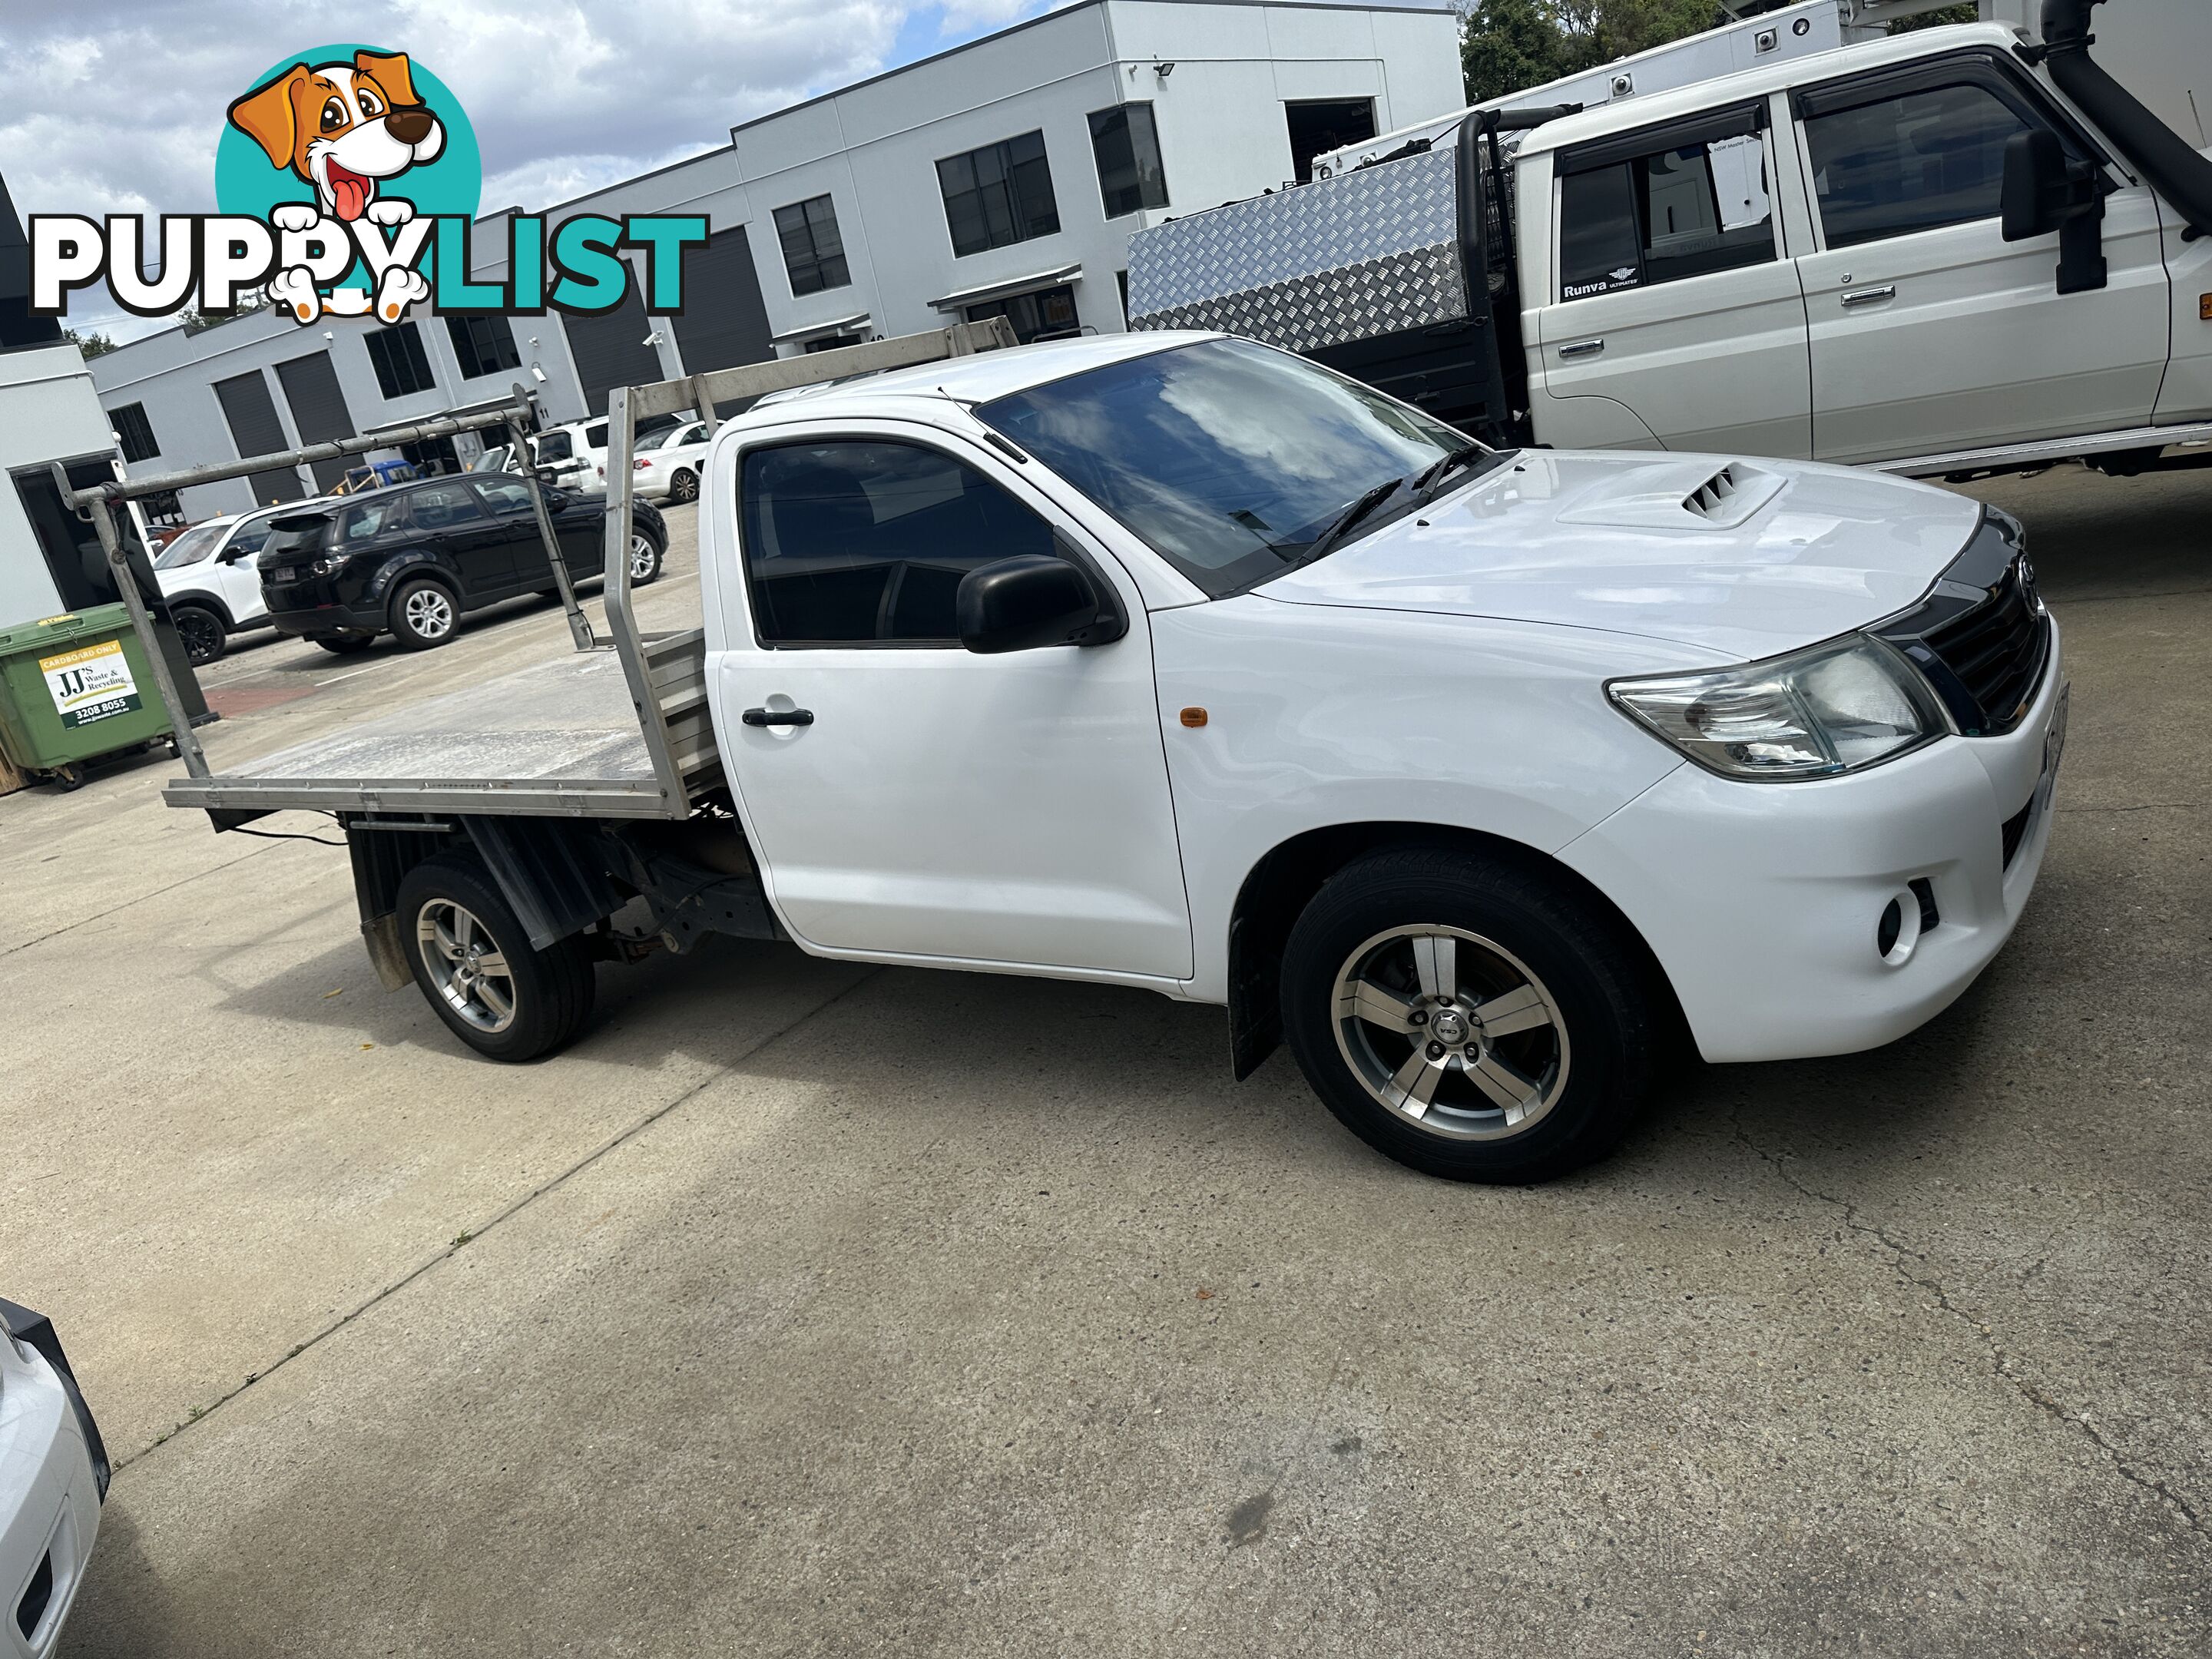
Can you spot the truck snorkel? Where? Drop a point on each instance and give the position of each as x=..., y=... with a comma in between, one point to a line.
x=2171, y=167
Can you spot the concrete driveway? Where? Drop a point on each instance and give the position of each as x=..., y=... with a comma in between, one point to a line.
x=805, y=1309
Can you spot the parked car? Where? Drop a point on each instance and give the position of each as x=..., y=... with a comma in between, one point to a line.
x=1176, y=661
x=574, y=455
x=1933, y=253
x=208, y=577
x=411, y=560
x=54, y=1479
x=667, y=463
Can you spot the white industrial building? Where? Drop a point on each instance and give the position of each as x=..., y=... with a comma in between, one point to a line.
x=1003, y=177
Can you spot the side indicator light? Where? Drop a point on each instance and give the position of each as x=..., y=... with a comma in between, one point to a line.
x=1194, y=718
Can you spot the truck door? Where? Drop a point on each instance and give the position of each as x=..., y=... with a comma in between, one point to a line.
x=1931, y=333
x=1006, y=809
x=1673, y=318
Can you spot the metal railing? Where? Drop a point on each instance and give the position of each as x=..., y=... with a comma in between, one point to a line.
x=626, y=406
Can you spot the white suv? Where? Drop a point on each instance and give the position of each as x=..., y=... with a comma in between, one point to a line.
x=208, y=576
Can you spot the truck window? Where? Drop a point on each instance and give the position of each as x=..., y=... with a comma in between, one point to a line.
x=1917, y=162
x=853, y=541
x=1673, y=211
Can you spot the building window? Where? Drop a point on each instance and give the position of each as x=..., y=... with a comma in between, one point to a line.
x=1322, y=124
x=135, y=432
x=396, y=353
x=1046, y=314
x=832, y=342
x=813, y=252
x=484, y=345
x=1127, y=149
x=998, y=194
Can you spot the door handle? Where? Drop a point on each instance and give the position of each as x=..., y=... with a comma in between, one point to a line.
x=778, y=717
x=1870, y=297
x=1583, y=349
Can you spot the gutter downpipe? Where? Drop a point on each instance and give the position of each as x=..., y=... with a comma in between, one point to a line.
x=2167, y=162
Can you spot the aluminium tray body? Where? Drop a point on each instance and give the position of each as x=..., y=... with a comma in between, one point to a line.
x=558, y=738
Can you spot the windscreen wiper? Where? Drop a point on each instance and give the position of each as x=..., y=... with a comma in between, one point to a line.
x=1339, y=525
x=1430, y=480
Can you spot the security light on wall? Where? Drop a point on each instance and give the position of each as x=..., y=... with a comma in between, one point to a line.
x=329, y=334
x=1163, y=70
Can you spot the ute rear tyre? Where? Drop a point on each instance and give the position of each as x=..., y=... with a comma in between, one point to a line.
x=474, y=964
x=424, y=614
x=1471, y=1020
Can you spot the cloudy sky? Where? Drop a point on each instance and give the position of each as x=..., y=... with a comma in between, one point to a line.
x=114, y=105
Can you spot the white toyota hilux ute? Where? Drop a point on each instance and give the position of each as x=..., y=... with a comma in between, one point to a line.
x=1176, y=661
x=1475, y=794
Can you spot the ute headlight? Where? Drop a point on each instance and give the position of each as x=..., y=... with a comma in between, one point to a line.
x=1816, y=713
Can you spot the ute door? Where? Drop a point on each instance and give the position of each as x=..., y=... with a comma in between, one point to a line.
x=1005, y=808
x=1931, y=333
x=469, y=542
x=1674, y=320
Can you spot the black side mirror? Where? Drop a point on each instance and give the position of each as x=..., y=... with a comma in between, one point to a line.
x=2045, y=190
x=1034, y=600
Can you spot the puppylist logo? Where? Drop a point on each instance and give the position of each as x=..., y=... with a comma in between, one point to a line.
x=346, y=180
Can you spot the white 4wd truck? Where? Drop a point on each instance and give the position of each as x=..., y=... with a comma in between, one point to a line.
x=1946, y=253
x=1180, y=662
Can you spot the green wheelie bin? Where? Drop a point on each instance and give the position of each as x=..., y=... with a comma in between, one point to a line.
x=75, y=688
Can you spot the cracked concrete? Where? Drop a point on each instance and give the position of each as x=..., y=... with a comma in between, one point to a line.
x=803, y=1309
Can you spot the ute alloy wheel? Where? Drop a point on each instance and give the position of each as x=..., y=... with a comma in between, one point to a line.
x=473, y=962
x=202, y=632
x=644, y=559
x=424, y=615
x=466, y=966
x=1474, y=1020
x=1451, y=1032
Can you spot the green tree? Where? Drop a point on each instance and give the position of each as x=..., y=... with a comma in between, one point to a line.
x=1508, y=45
x=91, y=345
x=1969, y=13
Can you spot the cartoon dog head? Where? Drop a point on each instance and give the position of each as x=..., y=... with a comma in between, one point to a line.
x=343, y=126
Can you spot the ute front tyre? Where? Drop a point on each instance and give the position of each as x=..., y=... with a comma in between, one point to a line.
x=1471, y=1020
x=473, y=962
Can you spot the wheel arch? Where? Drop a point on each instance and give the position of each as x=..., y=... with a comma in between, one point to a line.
x=1278, y=887
x=205, y=601
x=408, y=566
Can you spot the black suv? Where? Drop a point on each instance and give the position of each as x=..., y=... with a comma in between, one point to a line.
x=409, y=559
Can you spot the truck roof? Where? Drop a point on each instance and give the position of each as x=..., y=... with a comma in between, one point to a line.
x=1629, y=114
x=973, y=380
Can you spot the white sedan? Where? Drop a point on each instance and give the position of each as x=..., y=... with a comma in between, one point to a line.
x=54, y=1479
x=668, y=462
